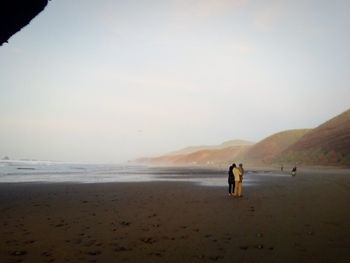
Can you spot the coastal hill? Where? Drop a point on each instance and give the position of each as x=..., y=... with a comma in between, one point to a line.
x=268, y=149
x=328, y=144
x=223, y=145
x=213, y=156
x=202, y=155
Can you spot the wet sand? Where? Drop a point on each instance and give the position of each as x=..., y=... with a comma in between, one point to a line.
x=280, y=219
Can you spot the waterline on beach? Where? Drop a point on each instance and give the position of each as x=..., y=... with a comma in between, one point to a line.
x=51, y=172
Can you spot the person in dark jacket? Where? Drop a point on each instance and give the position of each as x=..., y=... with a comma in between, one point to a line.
x=231, y=179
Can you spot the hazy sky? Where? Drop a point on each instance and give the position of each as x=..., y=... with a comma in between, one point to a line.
x=109, y=81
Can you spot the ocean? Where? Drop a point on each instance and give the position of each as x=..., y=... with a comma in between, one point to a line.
x=23, y=171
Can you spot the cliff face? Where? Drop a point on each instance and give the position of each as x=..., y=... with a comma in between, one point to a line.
x=14, y=15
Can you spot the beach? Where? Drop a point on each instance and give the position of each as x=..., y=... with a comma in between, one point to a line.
x=280, y=218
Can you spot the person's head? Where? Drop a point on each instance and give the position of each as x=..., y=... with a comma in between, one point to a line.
x=234, y=165
x=240, y=165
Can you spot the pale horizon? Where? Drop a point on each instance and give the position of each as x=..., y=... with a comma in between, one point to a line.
x=112, y=81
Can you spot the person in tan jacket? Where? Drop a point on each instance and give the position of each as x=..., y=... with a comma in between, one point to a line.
x=238, y=182
x=240, y=167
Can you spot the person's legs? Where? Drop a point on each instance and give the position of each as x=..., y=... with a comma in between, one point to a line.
x=229, y=188
x=240, y=189
x=236, y=188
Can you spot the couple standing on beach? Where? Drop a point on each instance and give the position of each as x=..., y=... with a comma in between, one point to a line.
x=235, y=178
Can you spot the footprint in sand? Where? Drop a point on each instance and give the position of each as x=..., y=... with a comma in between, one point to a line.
x=216, y=258
x=259, y=246
x=29, y=242
x=243, y=247
x=125, y=223
x=158, y=254
x=46, y=254
x=94, y=253
x=121, y=249
x=148, y=240
x=89, y=243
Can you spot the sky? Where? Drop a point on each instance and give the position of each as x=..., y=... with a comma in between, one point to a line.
x=111, y=81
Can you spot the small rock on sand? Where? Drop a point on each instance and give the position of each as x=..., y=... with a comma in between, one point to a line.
x=19, y=253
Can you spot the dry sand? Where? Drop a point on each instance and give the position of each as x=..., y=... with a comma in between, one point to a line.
x=281, y=219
